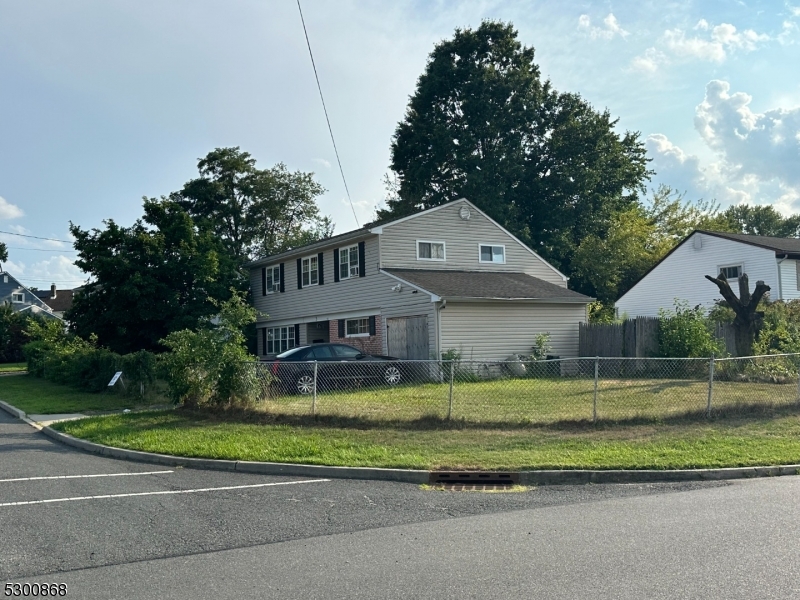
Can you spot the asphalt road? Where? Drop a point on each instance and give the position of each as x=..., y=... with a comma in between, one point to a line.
x=135, y=533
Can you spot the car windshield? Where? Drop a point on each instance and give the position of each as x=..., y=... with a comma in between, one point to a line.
x=294, y=353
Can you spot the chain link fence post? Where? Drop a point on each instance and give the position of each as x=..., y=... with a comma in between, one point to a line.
x=594, y=401
x=314, y=399
x=450, y=400
x=710, y=385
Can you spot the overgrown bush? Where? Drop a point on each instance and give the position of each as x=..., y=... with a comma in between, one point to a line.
x=70, y=360
x=212, y=365
x=12, y=334
x=687, y=333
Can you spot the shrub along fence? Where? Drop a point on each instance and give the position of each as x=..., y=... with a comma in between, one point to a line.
x=529, y=392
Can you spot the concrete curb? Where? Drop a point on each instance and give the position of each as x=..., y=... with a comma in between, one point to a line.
x=550, y=477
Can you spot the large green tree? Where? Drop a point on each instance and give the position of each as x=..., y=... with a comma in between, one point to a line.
x=761, y=220
x=158, y=276
x=482, y=124
x=254, y=212
x=3, y=254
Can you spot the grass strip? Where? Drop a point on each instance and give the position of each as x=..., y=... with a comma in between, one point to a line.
x=758, y=439
x=12, y=367
x=38, y=396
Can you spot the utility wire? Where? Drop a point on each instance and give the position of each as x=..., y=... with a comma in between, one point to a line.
x=55, y=250
x=324, y=108
x=36, y=237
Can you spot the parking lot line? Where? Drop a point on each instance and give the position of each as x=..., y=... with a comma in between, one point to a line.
x=84, y=476
x=162, y=493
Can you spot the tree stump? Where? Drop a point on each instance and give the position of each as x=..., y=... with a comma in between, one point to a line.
x=748, y=320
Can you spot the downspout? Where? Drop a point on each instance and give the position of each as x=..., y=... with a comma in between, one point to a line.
x=440, y=306
x=780, y=279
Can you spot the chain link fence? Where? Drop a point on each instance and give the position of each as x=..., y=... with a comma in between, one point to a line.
x=529, y=392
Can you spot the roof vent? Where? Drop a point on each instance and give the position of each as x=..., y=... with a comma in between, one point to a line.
x=698, y=241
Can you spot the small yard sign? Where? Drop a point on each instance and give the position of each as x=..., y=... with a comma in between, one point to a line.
x=116, y=376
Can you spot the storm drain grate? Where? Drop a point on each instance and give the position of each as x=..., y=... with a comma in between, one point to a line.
x=472, y=478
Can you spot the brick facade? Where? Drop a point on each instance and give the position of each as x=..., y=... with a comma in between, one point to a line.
x=368, y=345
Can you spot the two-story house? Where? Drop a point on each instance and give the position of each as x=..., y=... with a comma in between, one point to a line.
x=681, y=273
x=20, y=298
x=446, y=278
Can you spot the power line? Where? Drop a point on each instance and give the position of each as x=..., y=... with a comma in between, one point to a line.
x=36, y=237
x=40, y=249
x=324, y=108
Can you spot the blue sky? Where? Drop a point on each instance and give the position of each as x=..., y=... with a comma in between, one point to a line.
x=102, y=103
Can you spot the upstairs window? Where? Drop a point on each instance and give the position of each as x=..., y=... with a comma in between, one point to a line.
x=732, y=272
x=310, y=271
x=18, y=297
x=273, y=279
x=430, y=250
x=348, y=262
x=492, y=254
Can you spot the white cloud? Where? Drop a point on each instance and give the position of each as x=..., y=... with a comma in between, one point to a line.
x=322, y=161
x=712, y=44
x=610, y=28
x=8, y=210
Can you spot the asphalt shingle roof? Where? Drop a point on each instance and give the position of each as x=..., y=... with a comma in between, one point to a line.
x=62, y=301
x=778, y=244
x=486, y=285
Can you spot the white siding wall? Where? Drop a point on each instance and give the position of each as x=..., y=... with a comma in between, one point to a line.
x=682, y=275
x=496, y=330
x=789, y=284
x=399, y=248
x=357, y=296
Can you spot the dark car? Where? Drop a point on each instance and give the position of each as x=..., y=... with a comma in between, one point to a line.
x=338, y=365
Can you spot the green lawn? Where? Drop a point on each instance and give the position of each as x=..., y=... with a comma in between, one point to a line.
x=11, y=367
x=538, y=401
x=758, y=439
x=37, y=396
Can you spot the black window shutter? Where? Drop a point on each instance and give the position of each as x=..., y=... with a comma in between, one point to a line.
x=299, y=274
x=341, y=328
x=336, y=265
x=362, y=260
x=321, y=269
x=372, y=325
x=297, y=334
x=264, y=340
x=281, y=268
x=264, y=281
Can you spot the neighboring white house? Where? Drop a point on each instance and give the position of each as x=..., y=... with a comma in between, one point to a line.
x=445, y=278
x=681, y=273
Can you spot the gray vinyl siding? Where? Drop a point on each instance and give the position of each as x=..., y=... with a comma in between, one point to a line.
x=461, y=238
x=11, y=287
x=357, y=296
x=496, y=330
x=789, y=283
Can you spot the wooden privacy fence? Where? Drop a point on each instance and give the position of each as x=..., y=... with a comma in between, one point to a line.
x=634, y=338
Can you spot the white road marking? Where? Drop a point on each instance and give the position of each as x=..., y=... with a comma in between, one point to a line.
x=83, y=476
x=215, y=489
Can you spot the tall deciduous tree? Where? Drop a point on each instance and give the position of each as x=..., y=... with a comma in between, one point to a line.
x=761, y=220
x=158, y=276
x=482, y=124
x=3, y=254
x=255, y=212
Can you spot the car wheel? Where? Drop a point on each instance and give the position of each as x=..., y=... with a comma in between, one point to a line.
x=392, y=375
x=305, y=384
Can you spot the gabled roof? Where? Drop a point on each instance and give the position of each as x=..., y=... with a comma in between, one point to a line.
x=486, y=285
x=778, y=244
x=377, y=228
x=61, y=303
x=19, y=284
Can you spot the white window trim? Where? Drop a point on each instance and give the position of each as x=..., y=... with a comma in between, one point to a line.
x=276, y=283
x=339, y=266
x=303, y=260
x=356, y=335
x=729, y=265
x=444, y=250
x=491, y=262
x=21, y=296
x=289, y=338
